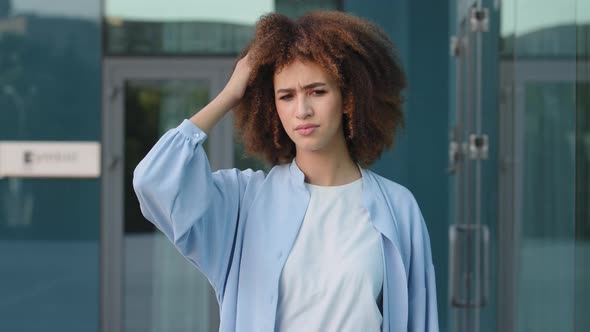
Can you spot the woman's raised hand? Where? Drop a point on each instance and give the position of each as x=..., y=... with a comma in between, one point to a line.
x=236, y=86
x=227, y=99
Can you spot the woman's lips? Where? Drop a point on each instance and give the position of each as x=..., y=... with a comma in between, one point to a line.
x=306, y=130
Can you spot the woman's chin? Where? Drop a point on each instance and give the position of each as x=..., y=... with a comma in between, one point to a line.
x=308, y=148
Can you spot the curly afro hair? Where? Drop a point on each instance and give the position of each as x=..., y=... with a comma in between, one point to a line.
x=356, y=53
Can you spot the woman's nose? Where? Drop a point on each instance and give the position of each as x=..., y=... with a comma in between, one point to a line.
x=304, y=109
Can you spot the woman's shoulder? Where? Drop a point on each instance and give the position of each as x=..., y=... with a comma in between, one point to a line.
x=284, y=174
x=391, y=189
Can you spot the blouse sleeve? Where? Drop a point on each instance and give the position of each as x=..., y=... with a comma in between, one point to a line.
x=422, y=281
x=196, y=209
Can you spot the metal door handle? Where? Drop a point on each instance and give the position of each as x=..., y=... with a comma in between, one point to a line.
x=469, y=265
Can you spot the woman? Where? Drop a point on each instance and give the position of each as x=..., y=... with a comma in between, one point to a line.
x=319, y=243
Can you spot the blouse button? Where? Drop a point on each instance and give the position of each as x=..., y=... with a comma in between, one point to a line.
x=197, y=135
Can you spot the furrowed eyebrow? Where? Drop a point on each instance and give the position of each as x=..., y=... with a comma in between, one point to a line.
x=314, y=85
x=309, y=86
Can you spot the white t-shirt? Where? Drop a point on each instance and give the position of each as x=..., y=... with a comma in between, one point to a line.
x=333, y=276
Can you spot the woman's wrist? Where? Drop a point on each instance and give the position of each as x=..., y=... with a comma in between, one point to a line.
x=208, y=117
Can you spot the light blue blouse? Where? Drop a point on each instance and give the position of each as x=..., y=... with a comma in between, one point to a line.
x=238, y=228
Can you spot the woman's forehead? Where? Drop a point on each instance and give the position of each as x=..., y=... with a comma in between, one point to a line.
x=303, y=70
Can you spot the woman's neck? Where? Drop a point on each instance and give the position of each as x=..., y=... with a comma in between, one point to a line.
x=327, y=169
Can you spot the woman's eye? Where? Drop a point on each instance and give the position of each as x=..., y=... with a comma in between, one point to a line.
x=285, y=97
x=318, y=92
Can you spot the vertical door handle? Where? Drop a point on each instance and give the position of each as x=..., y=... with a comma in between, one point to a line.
x=469, y=265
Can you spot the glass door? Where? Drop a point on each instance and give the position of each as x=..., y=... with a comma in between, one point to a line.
x=158, y=284
x=472, y=229
x=147, y=284
x=542, y=105
x=468, y=236
x=517, y=247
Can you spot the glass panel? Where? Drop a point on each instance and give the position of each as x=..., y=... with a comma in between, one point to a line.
x=545, y=52
x=542, y=51
x=582, y=273
x=49, y=228
x=161, y=287
x=136, y=27
x=50, y=254
x=550, y=32
x=294, y=8
x=545, y=295
x=473, y=233
x=201, y=27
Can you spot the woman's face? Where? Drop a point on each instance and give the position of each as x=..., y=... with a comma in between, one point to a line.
x=309, y=104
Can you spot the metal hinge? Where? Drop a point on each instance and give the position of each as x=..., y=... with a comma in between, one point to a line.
x=478, y=147
x=456, y=46
x=457, y=151
x=479, y=19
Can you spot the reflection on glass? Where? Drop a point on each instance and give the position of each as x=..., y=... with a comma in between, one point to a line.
x=549, y=159
x=191, y=26
x=161, y=287
x=73, y=9
x=518, y=17
x=154, y=38
x=582, y=201
x=49, y=228
x=552, y=292
x=181, y=26
x=582, y=255
x=294, y=8
x=246, y=12
x=545, y=289
x=550, y=32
